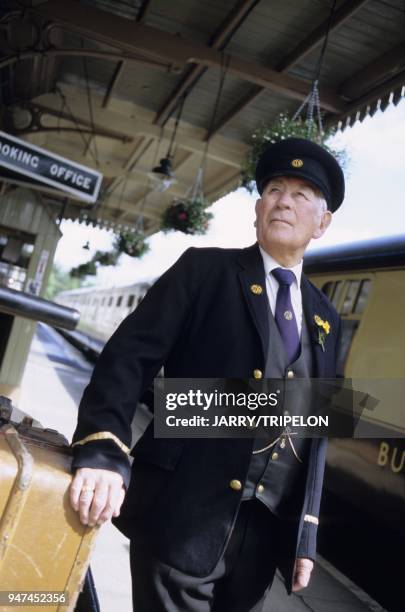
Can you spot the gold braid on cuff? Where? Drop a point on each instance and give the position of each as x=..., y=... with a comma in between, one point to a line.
x=103, y=435
x=311, y=519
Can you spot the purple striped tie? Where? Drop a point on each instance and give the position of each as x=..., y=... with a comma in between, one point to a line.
x=284, y=315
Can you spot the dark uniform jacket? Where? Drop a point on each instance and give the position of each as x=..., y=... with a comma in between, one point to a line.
x=200, y=320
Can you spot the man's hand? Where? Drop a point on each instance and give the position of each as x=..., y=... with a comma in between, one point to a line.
x=302, y=573
x=97, y=495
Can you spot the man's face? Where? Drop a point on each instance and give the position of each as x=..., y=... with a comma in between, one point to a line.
x=288, y=214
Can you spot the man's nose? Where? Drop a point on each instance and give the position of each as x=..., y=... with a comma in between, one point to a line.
x=285, y=200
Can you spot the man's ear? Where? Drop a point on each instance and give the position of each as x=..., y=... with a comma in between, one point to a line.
x=325, y=221
x=258, y=205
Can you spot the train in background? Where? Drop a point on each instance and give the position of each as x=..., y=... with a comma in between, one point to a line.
x=363, y=526
x=102, y=310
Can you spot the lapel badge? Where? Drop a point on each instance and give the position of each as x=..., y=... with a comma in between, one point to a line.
x=297, y=163
x=256, y=289
x=288, y=315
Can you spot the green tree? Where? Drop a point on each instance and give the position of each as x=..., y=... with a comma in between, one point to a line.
x=60, y=280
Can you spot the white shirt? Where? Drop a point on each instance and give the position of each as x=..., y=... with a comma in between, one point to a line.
x=272, y=286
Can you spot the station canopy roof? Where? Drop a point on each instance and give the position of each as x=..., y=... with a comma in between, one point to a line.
x=102, y=82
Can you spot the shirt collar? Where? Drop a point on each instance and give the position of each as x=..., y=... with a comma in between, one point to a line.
x=270, y=263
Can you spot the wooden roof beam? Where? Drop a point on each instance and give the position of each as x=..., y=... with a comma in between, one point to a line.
x=225, y=184
x=122, y=33
x=116, y=214
x=140, y=174
x=370, y=98
x=140, y=149
x=378, y=71
x=232, y=22
x=235, y=110
x=343, y=13
x=113, y=83
x=129, y=166
x=78, y=122
x=143, y=11
x=188, y=137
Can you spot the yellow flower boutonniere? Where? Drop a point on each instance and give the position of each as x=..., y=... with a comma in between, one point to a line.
x=323, y=328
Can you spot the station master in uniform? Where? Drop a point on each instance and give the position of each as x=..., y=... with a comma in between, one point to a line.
x=210, y=520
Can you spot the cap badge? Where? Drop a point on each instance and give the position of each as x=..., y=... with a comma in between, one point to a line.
x=288, y=315
x=297, y=163
x=256, y=289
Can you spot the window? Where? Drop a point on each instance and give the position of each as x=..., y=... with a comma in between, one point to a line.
x=355, y=294
x=362, y=297
x=131, y=300
x=119, y=301
x=350, y=297
x=328, y=289
x=333, y=291
x=110, y=301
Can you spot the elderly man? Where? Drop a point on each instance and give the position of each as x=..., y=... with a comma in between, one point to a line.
x=210, y=520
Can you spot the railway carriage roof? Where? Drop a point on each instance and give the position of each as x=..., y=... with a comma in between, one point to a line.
x=387, y=252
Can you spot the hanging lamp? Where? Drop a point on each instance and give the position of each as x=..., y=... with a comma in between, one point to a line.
x=164, y=171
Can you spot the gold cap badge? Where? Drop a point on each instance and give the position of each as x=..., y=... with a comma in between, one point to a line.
x=297, y=163
x=256, y=289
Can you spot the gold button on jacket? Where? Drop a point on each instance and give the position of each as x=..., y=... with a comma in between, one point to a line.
x=290, y=374
x=260, y=488
x=274, y=456
x=257, y=374
x=236, y=485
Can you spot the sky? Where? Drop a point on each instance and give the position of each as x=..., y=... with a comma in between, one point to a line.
x=374, y=206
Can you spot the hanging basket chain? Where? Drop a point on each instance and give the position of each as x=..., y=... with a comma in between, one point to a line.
x=325, y=41
x=196, y=191
x=92, y=139
x=189, y=215
x=312, y=101
x=176, y=125
x=139, y=225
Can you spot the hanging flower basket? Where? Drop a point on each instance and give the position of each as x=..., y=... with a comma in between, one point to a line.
x=106, y=258
x=86, y=269
x=281, y=128
x=131, y=243
x=187, y=216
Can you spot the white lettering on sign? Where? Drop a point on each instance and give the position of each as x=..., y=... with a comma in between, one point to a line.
x=46, y=167
x=19, y=155
x=75, y=178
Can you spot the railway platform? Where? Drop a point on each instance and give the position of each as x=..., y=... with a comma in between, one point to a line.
x=54, y=378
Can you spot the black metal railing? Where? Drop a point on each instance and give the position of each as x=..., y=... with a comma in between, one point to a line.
x=20, y=304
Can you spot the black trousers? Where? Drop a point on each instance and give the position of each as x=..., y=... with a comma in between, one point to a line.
x=238, y=583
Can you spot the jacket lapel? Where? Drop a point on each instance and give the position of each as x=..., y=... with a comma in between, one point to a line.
x=252, y=277
x=253, y=283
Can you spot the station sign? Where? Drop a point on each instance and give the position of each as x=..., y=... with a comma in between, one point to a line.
x=47, y=168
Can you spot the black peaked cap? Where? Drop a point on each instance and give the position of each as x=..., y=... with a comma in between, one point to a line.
x=301, y=158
